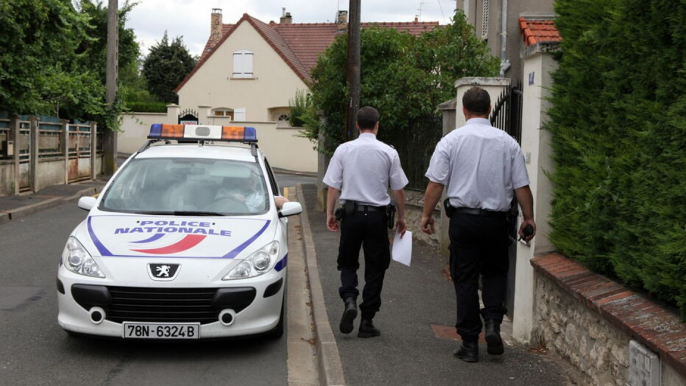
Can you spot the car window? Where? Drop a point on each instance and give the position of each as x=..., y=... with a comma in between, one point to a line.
x=188, y=186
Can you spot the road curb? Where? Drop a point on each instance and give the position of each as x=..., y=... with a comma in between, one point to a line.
x=328, y=358
x=15, y=214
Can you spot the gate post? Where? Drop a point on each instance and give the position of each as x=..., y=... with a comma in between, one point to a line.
x=94, y=149
x=14, y=137
x=538, y=68
x=33, y=151
x=64, y=144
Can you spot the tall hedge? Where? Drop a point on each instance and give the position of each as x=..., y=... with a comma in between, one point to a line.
x=619, y=139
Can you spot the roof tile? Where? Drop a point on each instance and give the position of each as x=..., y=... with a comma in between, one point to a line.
x=538, y=31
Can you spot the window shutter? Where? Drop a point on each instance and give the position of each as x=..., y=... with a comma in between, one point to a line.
x=242, y=64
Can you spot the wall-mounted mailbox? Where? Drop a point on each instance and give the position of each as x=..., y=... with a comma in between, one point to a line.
x=7, y=148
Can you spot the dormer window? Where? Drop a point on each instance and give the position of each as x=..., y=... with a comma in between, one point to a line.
x=242, y=64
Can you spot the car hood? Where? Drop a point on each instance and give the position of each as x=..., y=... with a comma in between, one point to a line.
x=180, y=237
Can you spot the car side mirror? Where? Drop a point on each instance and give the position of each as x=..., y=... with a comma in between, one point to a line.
x=290, y=208
x=87, y=203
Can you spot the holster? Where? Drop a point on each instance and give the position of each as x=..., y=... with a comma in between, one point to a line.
x=390, y=215
x=350, y=207
x=339, y=213
x=449, y=209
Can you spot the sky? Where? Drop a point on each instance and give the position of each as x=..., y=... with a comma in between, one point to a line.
x=190, y=19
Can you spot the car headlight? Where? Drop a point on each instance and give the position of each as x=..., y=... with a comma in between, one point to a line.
x=76, y=259
x=260, y=262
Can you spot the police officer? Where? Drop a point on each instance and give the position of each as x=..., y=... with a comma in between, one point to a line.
x=481, y=166
x=362, y=171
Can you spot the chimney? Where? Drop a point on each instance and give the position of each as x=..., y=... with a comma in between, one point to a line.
x=342, y=21
x=215, y=27
x=286, y=17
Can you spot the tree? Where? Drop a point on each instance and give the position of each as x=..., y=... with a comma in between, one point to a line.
x=40, y=68
x=404, y=76
x=166, y=66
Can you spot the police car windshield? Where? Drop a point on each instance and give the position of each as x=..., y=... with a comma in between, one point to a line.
x=188, y=187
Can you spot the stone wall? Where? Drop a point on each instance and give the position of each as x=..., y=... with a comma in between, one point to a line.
x=589, y=321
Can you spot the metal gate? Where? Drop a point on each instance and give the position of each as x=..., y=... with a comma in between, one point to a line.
x=507, y=116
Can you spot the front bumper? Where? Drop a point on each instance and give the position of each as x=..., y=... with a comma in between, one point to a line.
x=223, y=308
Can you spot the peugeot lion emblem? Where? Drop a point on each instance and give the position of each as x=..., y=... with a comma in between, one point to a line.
x=163, y=271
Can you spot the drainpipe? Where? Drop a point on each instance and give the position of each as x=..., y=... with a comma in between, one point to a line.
x=504, y=63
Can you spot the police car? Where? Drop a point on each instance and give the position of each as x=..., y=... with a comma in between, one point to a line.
x=184, y=242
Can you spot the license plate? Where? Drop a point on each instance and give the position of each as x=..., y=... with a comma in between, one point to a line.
x=161, y=331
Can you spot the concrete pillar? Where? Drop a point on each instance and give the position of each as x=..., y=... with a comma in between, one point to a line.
x=173, y=111
x=33, y=151
x=94, y=149
x=64, y=142
x=538, y=68
x=14, y=138
x=204, y=113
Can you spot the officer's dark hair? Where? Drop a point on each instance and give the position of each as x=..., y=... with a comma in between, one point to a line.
x=477, y=101
x=367, y=117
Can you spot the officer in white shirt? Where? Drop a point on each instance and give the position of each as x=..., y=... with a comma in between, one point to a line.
x=362, y=172
x=482, y=168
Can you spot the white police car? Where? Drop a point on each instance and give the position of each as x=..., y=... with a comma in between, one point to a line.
x=184, y=242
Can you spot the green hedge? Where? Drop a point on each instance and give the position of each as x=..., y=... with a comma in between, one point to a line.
x=619, y=139
x=147, y=107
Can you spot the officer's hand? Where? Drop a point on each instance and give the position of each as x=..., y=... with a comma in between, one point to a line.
x=427, y=225
x=400, y=227
x=331, y=223
x=527, y=234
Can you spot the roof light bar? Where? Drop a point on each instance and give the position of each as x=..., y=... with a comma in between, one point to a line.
x=203, y=132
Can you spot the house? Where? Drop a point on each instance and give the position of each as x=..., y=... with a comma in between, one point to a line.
x=250, y=70
x=498, y=23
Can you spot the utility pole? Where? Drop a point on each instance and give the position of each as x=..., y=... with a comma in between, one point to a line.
x=353, y=74
x=109, y=135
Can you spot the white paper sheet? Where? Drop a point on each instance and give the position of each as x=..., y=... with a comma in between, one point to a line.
x=402, y=248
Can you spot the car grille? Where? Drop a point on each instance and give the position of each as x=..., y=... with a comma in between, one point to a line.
x=164, y=305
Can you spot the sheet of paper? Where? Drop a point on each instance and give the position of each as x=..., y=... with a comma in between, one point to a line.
x=402, y=248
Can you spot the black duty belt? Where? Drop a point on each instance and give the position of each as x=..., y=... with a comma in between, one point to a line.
x=481, y=212
x=369, y=208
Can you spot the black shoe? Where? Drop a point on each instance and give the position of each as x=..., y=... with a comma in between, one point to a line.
x=493, y=340
x=367, y=329
x=349, y=315
x=468, y=351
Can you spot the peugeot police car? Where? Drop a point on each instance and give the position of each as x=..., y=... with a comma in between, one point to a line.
x=184, y=242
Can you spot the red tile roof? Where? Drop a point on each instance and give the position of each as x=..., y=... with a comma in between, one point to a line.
x=538, y=31
x=300, y=44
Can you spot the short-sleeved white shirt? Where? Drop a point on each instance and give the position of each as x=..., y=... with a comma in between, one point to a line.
x=364, y=169
x=480, y=166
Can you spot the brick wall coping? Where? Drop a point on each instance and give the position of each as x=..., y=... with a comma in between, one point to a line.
x=642, y=320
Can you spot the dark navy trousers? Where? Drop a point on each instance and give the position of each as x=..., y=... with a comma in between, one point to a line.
x=369, y=231
x=478, y=248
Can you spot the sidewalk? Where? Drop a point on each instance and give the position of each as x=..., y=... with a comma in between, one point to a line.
x=417, y=325
x=16, y=207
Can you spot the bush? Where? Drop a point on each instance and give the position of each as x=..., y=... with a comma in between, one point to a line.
x=619, y=140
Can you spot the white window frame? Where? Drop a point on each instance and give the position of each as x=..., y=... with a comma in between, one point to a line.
x=242, y=64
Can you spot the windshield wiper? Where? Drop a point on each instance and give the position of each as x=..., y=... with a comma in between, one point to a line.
x=193, y=213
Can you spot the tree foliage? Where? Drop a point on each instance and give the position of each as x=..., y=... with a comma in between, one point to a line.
x=52, y=60
x=166, y=66
x=619, y=139
x=404, y=76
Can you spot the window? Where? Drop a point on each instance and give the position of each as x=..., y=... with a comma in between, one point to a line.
x=223, y=112
x=242, y=64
